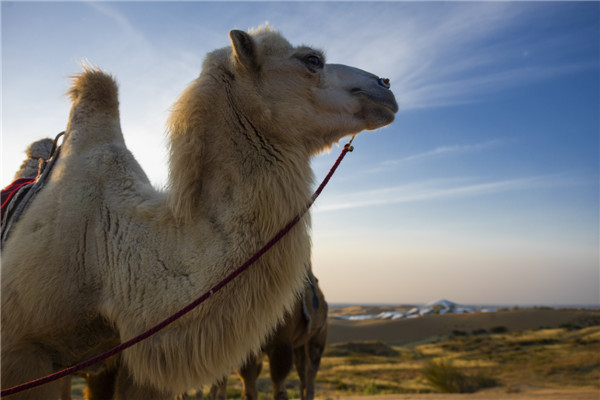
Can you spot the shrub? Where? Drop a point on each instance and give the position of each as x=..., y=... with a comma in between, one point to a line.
x=447, y=378
x=360, y=348
x=499, y=329
x=569, y=326
x=459, y=333
x=371, y=389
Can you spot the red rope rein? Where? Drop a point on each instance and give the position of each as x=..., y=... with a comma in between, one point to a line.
x=78, y=367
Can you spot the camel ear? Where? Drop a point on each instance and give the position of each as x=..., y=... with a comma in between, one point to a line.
x=244, y=49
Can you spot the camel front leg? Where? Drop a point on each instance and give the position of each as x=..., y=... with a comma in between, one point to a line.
x=281, y=357
x=301, y=361
x=307, y=370
x=308, y=360
x=218, y=391
x=127, y=389
x=65, y=387
x=248, y=373
x=101, y=384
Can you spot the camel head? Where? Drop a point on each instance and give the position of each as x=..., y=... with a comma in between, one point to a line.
x=300, y=95
x=293, y=96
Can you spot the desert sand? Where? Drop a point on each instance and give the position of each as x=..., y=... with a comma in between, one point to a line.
x=421, y=329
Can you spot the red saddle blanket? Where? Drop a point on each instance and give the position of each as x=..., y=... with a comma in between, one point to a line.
x=12, y=189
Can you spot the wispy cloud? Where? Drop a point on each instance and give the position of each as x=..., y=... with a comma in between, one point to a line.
x=447, y=150
x=462, y=89
x=451, y=53
x=454, y=150
x=440, y=189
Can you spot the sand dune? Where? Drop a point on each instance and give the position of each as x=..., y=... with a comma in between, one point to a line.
x=416, y=329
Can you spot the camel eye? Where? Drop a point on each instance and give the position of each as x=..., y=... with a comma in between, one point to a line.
x=313, y=61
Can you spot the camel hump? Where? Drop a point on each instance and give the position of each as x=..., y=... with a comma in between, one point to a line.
x=40, y=149
x=96, y=90
x=37, y=150
x=94, y=114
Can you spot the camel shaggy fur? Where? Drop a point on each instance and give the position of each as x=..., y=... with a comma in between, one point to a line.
x=101, y=256
x=300, y=340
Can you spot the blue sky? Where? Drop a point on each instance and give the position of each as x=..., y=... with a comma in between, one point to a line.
x=484, y=189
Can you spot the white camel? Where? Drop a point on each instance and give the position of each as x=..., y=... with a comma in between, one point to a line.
x=100, y=255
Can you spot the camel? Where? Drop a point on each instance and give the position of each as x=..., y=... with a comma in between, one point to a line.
x=36, y=151
x=301, y=338
x=101, y=255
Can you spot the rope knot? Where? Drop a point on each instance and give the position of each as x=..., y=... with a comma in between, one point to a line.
x=348, y=146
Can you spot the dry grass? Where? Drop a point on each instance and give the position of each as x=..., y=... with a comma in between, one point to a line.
x=551, y=358
x=555, y=358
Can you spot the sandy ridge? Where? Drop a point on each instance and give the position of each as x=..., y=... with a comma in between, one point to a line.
x=404, y=331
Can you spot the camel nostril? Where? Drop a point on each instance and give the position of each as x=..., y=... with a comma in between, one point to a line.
x=385, y=82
